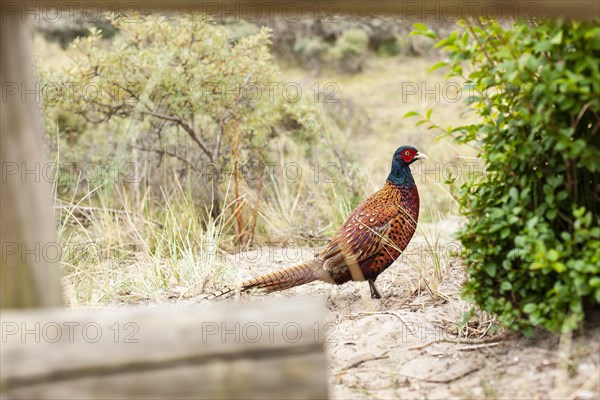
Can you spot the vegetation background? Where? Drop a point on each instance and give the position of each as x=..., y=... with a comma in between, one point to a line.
x=188, y=139
x=191, y=152
x=167, y=163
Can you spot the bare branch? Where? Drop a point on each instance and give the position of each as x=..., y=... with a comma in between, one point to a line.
x=190, y=131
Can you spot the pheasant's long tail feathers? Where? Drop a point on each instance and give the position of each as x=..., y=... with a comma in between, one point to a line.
x=275, y=281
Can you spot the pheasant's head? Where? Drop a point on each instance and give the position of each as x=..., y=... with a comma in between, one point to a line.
x=407, y=155
x=403, y=157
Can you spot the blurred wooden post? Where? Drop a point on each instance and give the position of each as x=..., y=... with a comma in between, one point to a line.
x=29, y=270
x=249, y=351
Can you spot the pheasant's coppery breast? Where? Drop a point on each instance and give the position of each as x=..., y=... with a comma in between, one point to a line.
x=374, y=235
x=401, y=231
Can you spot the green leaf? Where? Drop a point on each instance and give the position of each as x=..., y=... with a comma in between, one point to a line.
x=543, y=45
x=552, y=255
x=557, y=39
x=490, y=269
x=559, y=267
x=532, y=63
x=529, y=308
x=419, y=26
x=562, y=195
x=472, y=99
x=437, y=65
x=410, y=114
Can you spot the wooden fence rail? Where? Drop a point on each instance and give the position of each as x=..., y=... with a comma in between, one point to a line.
x=271, y=350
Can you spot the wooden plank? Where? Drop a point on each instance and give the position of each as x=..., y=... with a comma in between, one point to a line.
x=29, y=271
x=426, y=10
x=268, y=350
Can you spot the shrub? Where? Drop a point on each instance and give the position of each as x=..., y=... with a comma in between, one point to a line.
x=185, y=83
x=350, y=50
x=532, y=240
x=197, y=108
x=310, y=51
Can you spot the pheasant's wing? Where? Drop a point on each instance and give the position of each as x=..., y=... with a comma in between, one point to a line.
x=364, y=234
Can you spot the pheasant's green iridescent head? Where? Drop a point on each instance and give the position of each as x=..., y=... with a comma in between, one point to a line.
x=400, y=174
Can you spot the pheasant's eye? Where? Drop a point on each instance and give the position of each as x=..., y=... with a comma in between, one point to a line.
x=407, y=153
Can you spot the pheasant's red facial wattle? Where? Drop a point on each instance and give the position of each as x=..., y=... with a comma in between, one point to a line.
x=407, y=155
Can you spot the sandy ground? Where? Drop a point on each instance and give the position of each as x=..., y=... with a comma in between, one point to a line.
x=405, y=344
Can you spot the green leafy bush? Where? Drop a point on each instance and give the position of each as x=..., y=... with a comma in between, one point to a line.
x=532, y=240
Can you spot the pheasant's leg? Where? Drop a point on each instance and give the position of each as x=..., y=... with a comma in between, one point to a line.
x=374, y=292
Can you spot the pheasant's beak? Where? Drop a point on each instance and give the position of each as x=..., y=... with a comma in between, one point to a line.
x=421, y=156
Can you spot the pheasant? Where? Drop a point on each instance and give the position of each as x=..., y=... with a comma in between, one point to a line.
x=374, y=235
